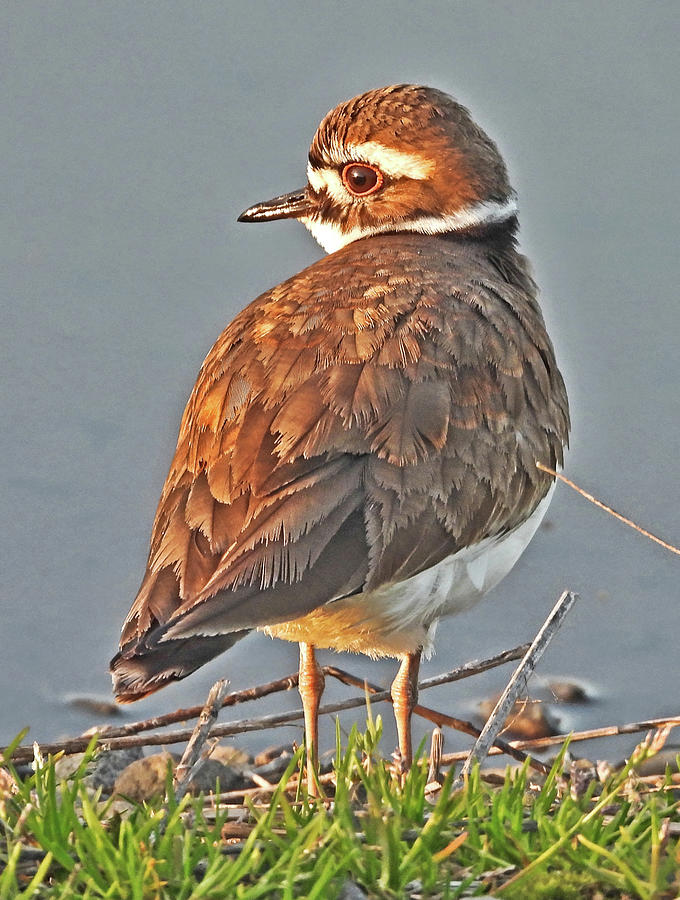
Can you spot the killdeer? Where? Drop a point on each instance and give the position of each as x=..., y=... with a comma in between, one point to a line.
x=358, y=455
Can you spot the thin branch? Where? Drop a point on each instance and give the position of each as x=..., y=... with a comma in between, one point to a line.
x=605, y=731
x=449, y=759
x=440, y=719
x=192, y=712
x=238, y=726
x=608, y=509
x=574, y=736
x=126, y=736
x=436, y=750
x=193, y=758
x=519, y=679
x=474, y=667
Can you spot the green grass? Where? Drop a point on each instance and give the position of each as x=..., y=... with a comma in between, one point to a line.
x=517, y=840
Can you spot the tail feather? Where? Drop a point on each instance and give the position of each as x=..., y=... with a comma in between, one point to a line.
x=141, y=668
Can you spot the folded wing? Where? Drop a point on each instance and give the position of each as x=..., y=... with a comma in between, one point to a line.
x=334, y=441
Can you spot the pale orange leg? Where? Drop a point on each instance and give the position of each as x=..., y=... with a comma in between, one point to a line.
x=404, y=698
x=311, y=685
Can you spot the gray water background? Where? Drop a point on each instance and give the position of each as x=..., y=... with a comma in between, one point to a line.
x=135, y=132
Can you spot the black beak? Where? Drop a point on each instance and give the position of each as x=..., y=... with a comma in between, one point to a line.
x=287, y=206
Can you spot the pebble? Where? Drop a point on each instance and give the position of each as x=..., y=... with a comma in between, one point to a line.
x=212, y=770
x=351, y=891
x=271, y=753
x=230, y=756
x=528, y=719
x=145, y=778
x=103, y=770
x=569, y=692
x=656, y=765
x=98, y=706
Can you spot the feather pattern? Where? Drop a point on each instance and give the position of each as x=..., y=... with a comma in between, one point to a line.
x=348, y=430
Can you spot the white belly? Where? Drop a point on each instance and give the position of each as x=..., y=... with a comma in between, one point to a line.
x=399, y=618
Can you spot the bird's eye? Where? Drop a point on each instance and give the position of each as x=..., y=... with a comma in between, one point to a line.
x=361, y=179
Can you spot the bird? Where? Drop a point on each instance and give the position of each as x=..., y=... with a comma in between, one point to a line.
x=357, y=458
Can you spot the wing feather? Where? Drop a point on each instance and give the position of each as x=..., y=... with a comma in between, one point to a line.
x=349, y=429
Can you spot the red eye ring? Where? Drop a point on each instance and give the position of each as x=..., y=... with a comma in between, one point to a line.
x=362, y=179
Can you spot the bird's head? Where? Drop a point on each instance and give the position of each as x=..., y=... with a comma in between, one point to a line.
x=400, y=158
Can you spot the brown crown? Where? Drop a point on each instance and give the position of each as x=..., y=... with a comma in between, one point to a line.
x=466, y=166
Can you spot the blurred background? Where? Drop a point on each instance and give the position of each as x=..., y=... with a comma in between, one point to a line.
x=136, y=132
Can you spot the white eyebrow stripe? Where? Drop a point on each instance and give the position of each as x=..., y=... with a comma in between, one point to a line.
x=391, y=162
x=395, y=163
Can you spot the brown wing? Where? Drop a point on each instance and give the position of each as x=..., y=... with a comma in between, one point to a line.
x=351, y=427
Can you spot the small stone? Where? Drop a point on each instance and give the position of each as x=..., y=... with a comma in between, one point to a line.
x=236, y=831
x=528, y=719
x=110, y=764
x=230, y=756
x=351, y=891
x=205, y=780
x=98, y=706
x=656, y=765
x=200, y=869
x=275, y=767
x=145, y=778
x=117, y=807
x=496, y=775
x=271, y=753
x=569, y=692
x=67, y=766
x=103, y=770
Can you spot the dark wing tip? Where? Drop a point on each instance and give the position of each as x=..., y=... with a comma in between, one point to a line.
x=143, y=668
x=137, y=676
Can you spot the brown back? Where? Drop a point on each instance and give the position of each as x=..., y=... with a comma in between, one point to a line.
x=353, y=426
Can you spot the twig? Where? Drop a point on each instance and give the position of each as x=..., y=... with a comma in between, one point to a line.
x=503, y=746
x=238, y=726
x=474, y=667
x=441, y=719
x=449, y=759
x=608, y=509
x=516, y=684
x=592, y=733
x=436, y=749
x=126, y=736
x=192, y=712
x=193, y=758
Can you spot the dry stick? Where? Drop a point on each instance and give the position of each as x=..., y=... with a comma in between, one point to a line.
x=440, y=719
x=193, y=758
x=516, y=684
x=502, y=745
x=239, y=726
x=475, y=667
x=126, y=736
x=192, y=712
x=587, y=735
x=537, y=743
x=608, y=509
x=604, y=731
x=436, y=750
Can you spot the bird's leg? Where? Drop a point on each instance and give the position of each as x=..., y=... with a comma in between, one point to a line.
x=404, y=698
x=311, y=684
